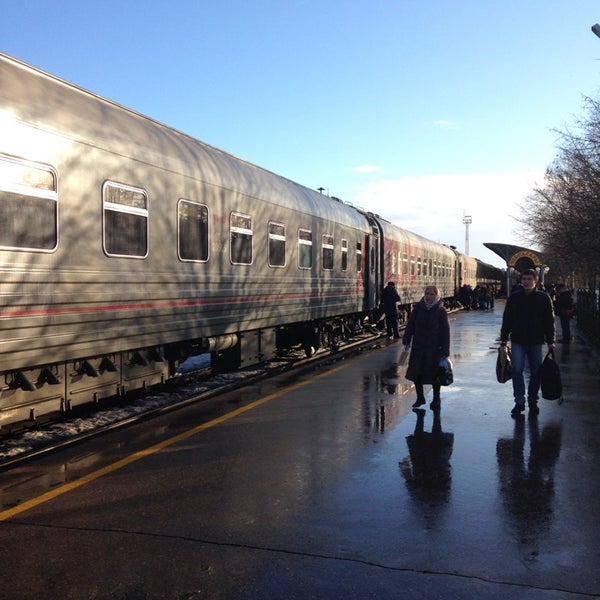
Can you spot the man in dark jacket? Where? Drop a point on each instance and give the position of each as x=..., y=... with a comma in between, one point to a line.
x=389, y=299
x=529, y=321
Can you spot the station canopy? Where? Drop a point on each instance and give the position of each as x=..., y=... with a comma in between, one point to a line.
x=517, y=257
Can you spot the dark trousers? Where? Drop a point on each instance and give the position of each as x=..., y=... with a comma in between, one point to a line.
x=391, y=323
x=565, y=326
x=419, y=389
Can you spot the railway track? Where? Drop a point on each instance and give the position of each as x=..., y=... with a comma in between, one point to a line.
x=197, y=385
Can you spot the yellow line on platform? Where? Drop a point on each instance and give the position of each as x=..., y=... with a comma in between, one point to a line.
x=67, y=487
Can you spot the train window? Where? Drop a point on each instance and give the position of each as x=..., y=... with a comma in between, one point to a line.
x=430, y=267
x=125, y=220
x=327, y=252
x=412, y=265
x=28, y=206
x=304, y=248
x=240, y=238
x=425, y=267
x=358, y=256
x=276, y=245
x=405, y=263
x=344, y=255
x=192, y=231
x=419, y=264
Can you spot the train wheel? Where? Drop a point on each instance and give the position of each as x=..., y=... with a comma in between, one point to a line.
x=309, y=351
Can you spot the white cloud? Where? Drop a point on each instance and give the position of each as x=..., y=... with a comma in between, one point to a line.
x=369, y=169
x=443, y=123
x=434, y=206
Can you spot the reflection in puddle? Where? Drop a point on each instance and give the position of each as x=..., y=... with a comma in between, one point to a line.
x=427, y=469
x=527, y=479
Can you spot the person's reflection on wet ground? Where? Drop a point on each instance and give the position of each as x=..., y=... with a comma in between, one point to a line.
x=391, y=383
x=527, y=482
x=427, y=469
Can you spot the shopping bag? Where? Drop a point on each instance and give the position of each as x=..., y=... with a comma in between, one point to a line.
x=445, y=373
x=550, y=379
x=403, y=357
x=503, y=365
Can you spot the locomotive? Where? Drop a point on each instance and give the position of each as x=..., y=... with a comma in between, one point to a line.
x=127, y=246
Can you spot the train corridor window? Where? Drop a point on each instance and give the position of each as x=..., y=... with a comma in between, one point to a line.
x=276, y=245
x=358, y=256
x=419, y=265
x=28, y=206
x=327, y=252
x=240, y=238
x=412, y=265
x=344, y=255
x=192, y=231
x=304, y=248
x=125, y=220
x=394, y=262
x=404, y=263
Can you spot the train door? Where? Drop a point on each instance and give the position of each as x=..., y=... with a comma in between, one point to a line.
x=372, y=265
x=459, y=274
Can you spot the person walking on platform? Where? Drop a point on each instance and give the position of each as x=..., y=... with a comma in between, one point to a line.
x=528, y=320
x=389, y=299
x=564, y=308
x=428, y=330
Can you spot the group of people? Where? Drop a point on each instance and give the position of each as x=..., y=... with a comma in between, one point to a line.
x=480, y=298
x=527, y=321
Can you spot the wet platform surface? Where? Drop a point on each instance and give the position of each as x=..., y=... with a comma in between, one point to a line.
x=328, y=486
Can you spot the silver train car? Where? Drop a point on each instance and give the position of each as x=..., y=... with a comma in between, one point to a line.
x=127, y=246
x=413, y=262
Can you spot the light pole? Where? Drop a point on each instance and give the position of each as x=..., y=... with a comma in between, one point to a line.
x=467, y=220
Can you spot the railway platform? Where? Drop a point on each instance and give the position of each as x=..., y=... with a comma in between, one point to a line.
x=326, y=485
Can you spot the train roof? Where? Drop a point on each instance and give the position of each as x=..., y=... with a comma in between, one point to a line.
x=35, y=97
x=393, y=231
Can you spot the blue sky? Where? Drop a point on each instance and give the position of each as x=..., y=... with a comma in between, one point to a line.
x=421, y=111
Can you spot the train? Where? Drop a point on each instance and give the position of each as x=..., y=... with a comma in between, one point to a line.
x=127, y=246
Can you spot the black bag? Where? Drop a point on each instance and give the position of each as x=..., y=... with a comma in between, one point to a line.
x=550, y=378
x=503, y=365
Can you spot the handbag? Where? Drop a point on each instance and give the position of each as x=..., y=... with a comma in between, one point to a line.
x=550, y=379
x=445, y=374
x=503, y=364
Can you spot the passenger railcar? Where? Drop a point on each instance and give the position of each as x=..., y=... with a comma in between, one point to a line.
x=413, y=262
x=490, y=276
x=126, y=246
x=466, y=270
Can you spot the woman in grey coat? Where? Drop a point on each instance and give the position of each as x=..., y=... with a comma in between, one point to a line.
x=428, y=330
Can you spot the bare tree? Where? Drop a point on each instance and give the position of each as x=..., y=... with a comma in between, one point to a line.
x=563, y=215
